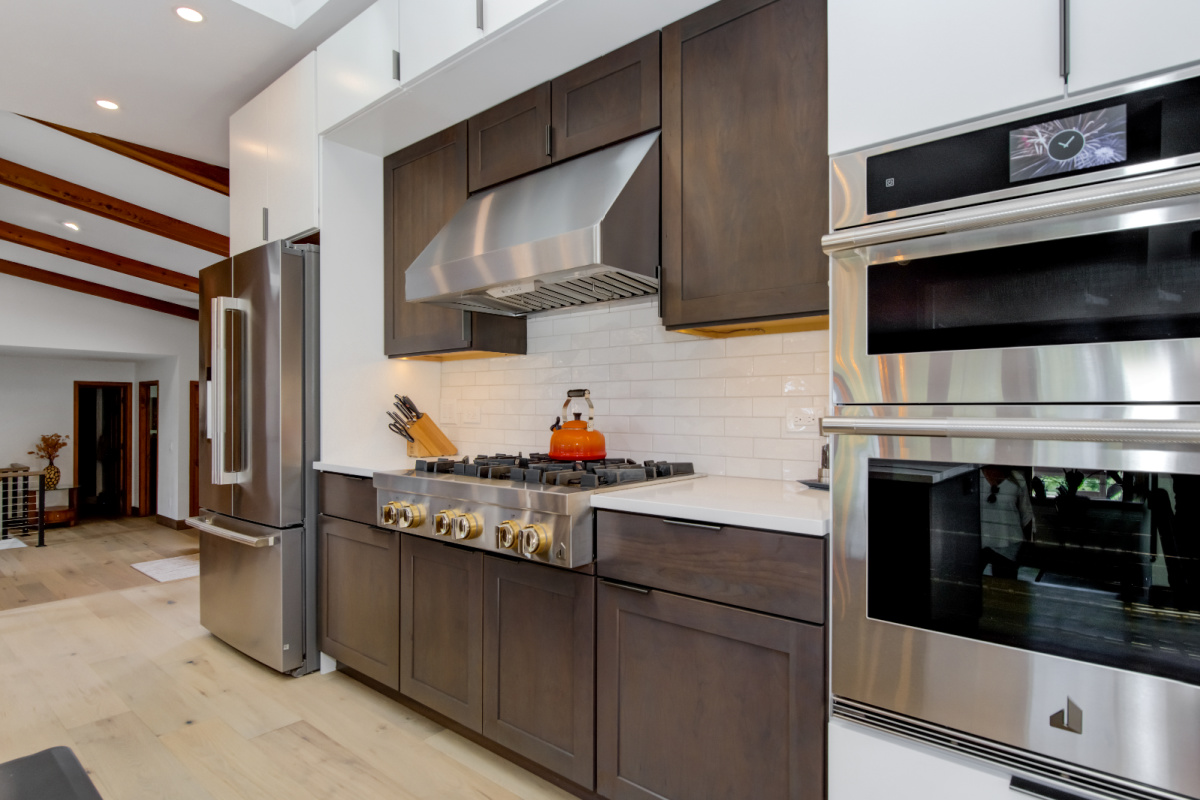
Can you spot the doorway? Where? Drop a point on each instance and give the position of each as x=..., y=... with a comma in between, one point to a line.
x=147, y=448
x=103, y=449
x=194, y=449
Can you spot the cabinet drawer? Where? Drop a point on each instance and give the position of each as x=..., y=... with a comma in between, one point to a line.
x=779, y=573
x=348, y=496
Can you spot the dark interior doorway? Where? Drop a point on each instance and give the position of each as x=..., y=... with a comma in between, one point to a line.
x=147, y=448
x=103, y=463
x=194, y=449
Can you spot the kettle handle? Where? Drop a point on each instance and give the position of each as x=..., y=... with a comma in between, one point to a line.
x=586, y=394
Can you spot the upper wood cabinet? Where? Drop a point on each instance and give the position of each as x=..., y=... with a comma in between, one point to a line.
x=273, y=161
x=943, y=62
x=357, y=65
x=607, y=100
x=1112, y=41
x=745, y=172
x=423, y=185
x=510, y=139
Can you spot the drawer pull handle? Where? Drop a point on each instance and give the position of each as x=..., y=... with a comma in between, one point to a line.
x=1040, y=791
x=627, y=587
x=693, y=524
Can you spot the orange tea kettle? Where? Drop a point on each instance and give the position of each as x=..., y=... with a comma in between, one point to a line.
x=577, y=440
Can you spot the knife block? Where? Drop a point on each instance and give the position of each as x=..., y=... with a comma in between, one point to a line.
x=430, y=441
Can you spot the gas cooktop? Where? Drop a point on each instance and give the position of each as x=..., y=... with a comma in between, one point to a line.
x=539, y=469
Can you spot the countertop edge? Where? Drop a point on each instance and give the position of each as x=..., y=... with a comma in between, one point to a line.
x=809, y=526
x=362, y=472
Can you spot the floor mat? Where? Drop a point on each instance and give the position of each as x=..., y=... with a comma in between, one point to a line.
x=171, y=569
x=8, y=544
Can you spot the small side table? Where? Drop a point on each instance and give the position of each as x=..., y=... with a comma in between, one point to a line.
x=59, y=515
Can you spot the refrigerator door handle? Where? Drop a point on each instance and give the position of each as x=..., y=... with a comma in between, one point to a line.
x=220, y=367
x=250, y=541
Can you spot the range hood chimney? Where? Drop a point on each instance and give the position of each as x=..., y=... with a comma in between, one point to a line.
x=584, y=231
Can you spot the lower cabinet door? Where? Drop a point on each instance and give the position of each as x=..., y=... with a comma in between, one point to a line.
x=700, y=700
x=441, y=641
x=538, y=647
x=360, y=598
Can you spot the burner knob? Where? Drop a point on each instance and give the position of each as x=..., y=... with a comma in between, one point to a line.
x=443, y=522
x=409, y=515
x=389, y=513
x=508, y=535
x=467, y=526
x=535, y=540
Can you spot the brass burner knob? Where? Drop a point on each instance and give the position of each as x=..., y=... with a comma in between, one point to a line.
x=535, y=540
x=443, y=522
x=508, y=535
x=409, y=515
x=467, y=526
x=389, y=514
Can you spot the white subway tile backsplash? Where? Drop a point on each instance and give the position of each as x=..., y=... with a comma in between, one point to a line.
x=742, y=346
x=719, y=403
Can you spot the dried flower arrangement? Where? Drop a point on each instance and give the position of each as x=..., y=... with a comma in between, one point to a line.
x=49, y=446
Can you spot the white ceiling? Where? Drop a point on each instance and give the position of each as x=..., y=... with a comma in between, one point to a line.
x=176, y=82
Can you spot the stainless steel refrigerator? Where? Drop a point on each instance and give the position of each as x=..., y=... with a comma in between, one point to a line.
x=258, y=440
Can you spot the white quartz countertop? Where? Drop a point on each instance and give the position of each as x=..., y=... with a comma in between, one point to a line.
x=362, y=472
x=785, y=506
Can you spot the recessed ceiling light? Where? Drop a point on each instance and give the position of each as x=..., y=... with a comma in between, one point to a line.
x=190, y=14
x=72, y=225
x=109, y=104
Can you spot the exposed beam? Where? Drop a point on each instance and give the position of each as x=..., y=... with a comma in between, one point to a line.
x=95, y=289
x=210, y=176
x=97, y=258
x=103, y=205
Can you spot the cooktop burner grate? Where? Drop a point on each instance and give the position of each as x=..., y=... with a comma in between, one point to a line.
x=540, y=469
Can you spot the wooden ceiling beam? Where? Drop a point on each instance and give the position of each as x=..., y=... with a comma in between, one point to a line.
x=96, y=289
x=210, y=176
x=103, y=205
x=97, y=258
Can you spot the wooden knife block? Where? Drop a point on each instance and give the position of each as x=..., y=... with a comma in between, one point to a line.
x=430, y=441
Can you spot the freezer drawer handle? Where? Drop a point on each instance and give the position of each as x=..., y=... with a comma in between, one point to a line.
x=1131, y=431
x=241, y=538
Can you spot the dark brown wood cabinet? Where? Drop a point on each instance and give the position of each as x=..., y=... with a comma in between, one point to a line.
x=359, y=590
x=423, y=186
x=538, y=676
x=696, y=699
x=604, y=101
x=745, y=163
x=441, y=637
x=510, y=139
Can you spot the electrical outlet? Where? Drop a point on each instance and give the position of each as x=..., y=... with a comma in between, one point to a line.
x=449, y=413
x=800, y=420
x=470, y=414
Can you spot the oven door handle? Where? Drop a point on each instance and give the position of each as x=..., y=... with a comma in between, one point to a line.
x=1131, y=431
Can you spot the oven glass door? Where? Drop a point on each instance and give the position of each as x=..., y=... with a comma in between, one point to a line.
x=996, y=566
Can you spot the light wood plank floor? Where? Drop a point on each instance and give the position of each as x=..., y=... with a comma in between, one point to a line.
x=90, y=558
x=155, y=707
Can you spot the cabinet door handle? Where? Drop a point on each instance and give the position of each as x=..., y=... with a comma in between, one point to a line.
x=479, y=14
x=626, y=586
x=549, y=130
x=395, y=65
x=693, y=524
x=1040, y=791
x=1064, y=38
x=265, y=239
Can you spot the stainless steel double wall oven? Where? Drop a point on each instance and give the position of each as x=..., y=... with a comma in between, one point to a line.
x=1016, y=473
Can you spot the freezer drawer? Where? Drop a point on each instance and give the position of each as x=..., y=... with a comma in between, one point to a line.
x=251, y=588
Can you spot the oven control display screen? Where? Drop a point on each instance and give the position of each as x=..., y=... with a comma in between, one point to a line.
x=1068, y=144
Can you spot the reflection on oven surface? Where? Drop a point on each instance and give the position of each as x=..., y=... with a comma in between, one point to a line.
x=1099, y=566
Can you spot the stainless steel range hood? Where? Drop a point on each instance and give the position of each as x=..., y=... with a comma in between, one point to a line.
x=584, y=231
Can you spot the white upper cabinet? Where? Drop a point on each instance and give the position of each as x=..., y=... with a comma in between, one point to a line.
x=431, y=32
x=273, y=161
x=865, y=764
x=1114, y=40
x=899, y=68
x=356, y=66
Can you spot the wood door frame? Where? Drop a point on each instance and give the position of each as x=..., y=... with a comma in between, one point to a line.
x=193, y=448
x=126, y=388
x=143, y=473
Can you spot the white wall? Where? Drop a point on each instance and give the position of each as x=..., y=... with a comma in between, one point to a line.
x=357, y=380
x=719, y=403
x=58, y=322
